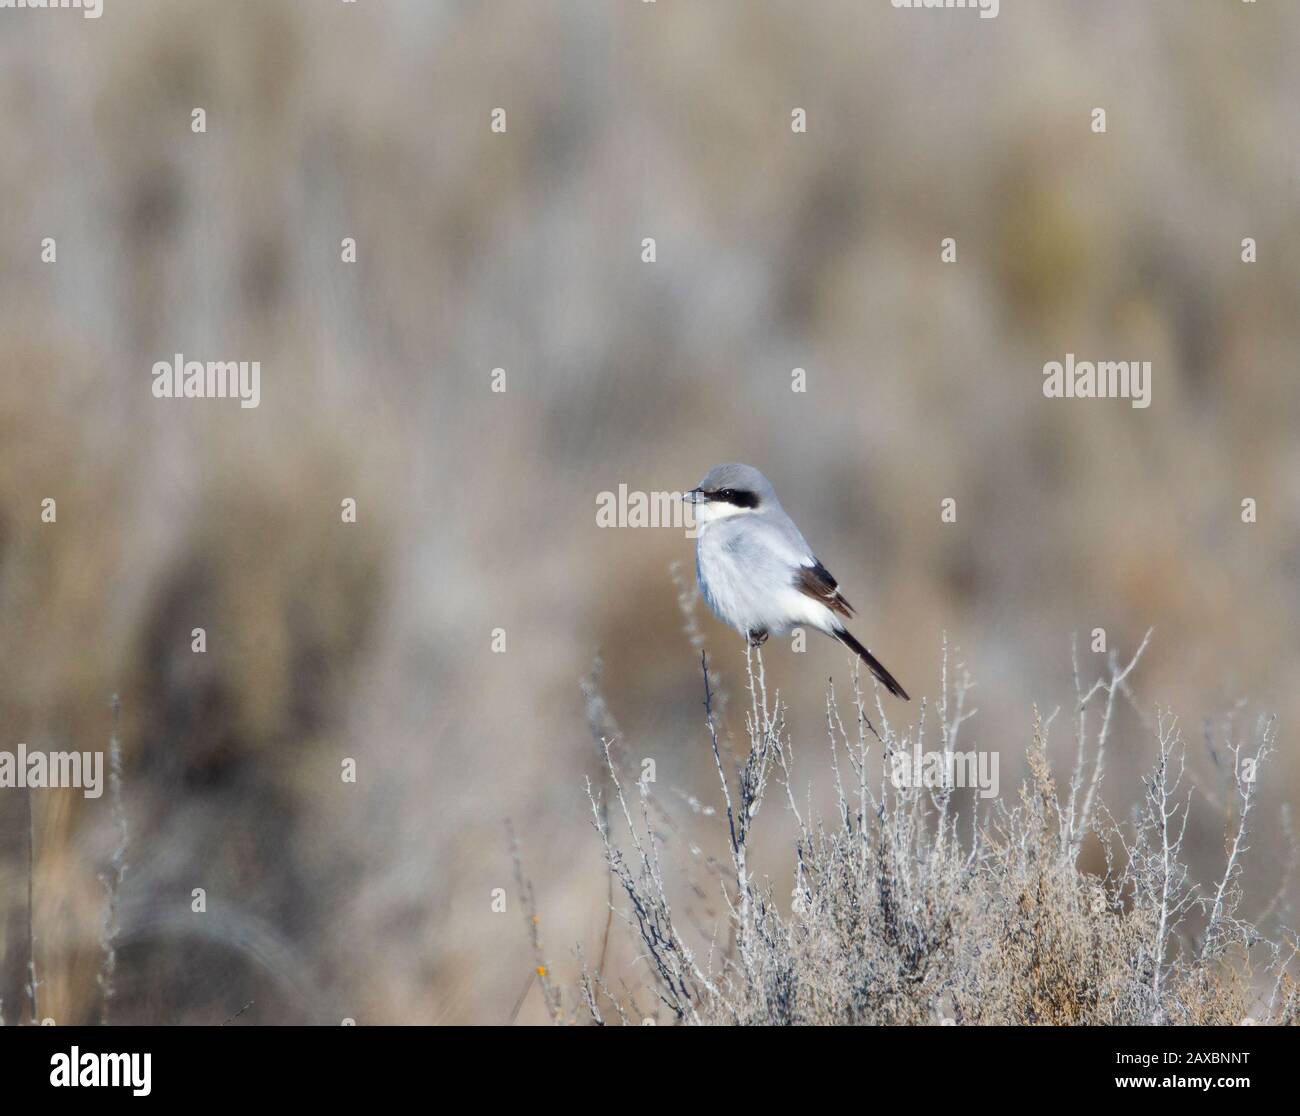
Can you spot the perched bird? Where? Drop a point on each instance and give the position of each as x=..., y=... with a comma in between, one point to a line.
x=756, y=570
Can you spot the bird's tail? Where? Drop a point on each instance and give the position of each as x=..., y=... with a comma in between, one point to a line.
x=873, y=664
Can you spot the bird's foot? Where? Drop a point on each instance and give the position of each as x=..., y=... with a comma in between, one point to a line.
x=757, y=639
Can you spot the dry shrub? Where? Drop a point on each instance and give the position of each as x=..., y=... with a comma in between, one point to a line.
x=912, y=906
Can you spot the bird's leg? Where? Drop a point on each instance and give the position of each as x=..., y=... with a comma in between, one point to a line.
x=758, y=638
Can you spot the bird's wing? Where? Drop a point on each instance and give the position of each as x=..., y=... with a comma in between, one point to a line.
x=807, y=573
x=785, y=539
x=815, y=581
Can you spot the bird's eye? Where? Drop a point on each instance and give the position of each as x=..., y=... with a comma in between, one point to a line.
x=726, y=494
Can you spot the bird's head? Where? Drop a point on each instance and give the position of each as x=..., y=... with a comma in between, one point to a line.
x=728, y=490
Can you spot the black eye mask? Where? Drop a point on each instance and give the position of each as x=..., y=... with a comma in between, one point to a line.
x=735, y=496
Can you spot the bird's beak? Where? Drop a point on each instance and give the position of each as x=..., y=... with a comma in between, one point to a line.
x=694, y=496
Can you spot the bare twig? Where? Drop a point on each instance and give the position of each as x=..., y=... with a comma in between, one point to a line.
x=32, y=983
x=111, y=879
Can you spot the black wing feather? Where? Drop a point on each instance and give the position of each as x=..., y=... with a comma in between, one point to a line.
x=815, y=581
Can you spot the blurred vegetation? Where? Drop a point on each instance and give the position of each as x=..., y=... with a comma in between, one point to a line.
x=372, y=641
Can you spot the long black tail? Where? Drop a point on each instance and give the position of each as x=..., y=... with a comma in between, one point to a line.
x=873, y=664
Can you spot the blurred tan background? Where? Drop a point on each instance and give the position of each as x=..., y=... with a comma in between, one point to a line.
x=477, y=509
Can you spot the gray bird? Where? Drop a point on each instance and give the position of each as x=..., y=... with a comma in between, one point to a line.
x=757, y=571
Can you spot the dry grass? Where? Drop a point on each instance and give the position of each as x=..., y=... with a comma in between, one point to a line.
x=911, y=905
